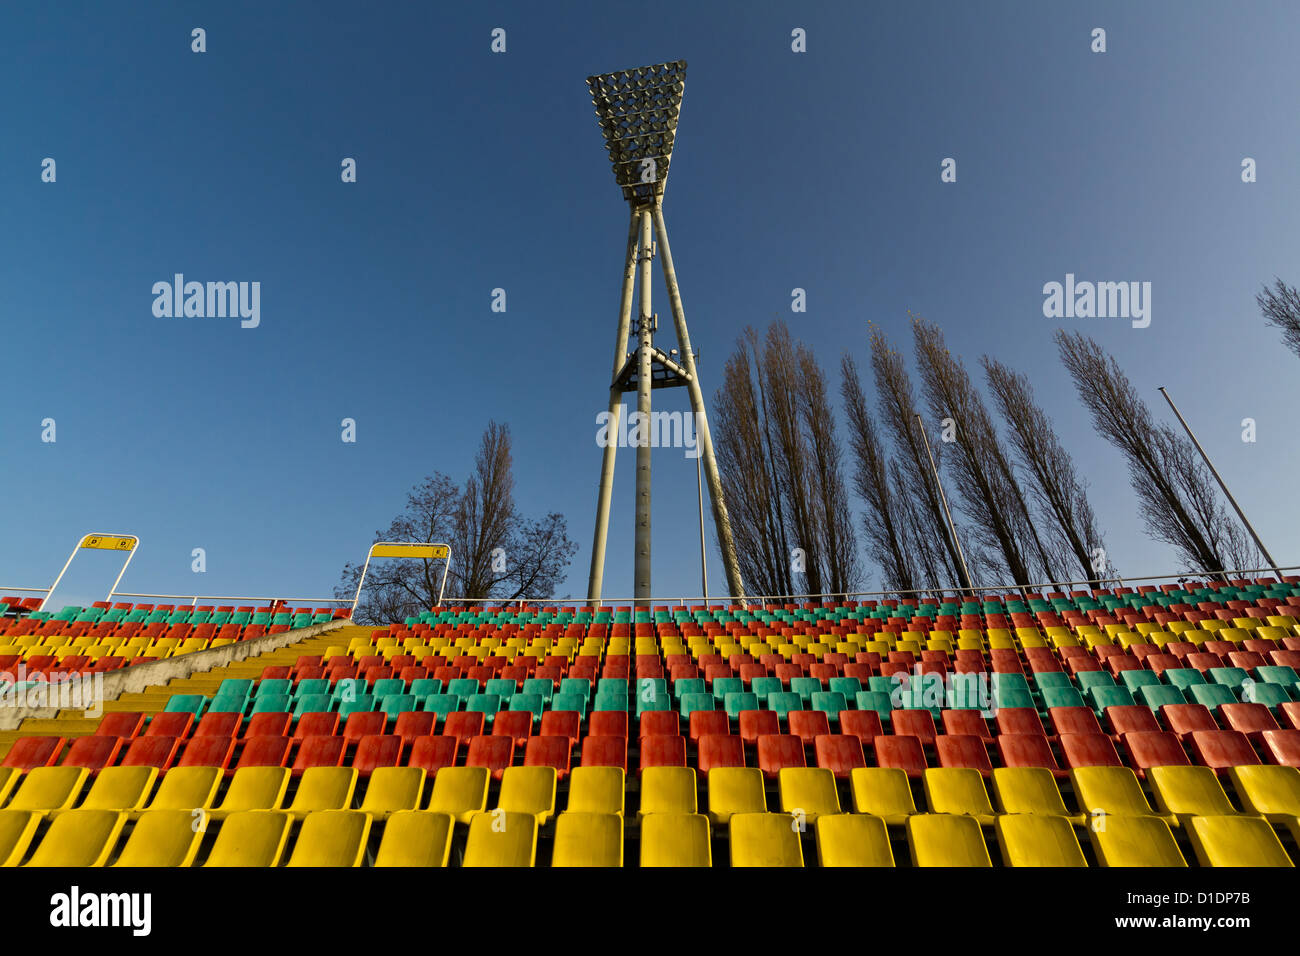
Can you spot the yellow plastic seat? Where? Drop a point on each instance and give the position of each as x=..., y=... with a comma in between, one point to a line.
x=851, y=839
x=1029, y=790
x=395, y=788
x=1269, y=791
x=1189, y=791
x=416, y=838
x=957, y=790
x=808, y=792
x=766, y=839
x=251, y=838
x=187, y=788
x=500, y=838
x=528, y=790
x=1144, y=841
x=1029, y=839
x=1235, y=841
x=79, y=838
x=588, y=839
x=595, y=790
x=120, y=788
x=331, y=838
x=668, y=790
x=735, y=790
x=324, y=788
x=1112, y=791
x=945, y=839
x=254, y=788
x=17, y=827
x=460, y=791
x=49, y=788
x=675, y=839
x=162, y=838
x=882, y=792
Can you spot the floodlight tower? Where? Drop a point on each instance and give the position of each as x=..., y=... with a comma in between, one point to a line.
x=638, y=111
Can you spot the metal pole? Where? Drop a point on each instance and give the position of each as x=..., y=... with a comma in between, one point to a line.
x=1226, y=493
x=645, y=348
x=970, y=584
x=721, y=520
x=704, y=567
x=595, y=578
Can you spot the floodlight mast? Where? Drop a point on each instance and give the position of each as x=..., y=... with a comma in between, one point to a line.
x=638, y=111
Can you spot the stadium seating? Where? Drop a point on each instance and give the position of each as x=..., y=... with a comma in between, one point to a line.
x=1116, y=727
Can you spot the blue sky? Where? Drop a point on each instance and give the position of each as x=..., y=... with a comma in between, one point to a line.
x=476, y=171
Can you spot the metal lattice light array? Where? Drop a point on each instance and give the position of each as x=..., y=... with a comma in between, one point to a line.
x=638, y=111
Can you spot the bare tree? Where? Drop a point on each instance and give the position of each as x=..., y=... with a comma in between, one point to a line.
x=1175, y=494
x=1053, y=481
x=990, y=492
x=885, y=522
x=1281, y=308
x=939, y=565
x=496, y=553
x=782, y=469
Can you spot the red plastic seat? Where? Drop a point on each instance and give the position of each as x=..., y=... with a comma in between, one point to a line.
x=364, y=723
x=264, y=751
x=1132, y=719
x=786, y=673
x=156, y=751
x=494, y=753
x=464, y=725
x=661, y=751
x=1282, y=746
x=607, y=723
x=778, y=751
x=1289, y=714
x=604, y=752
x=218, y=725
x=1027, y=750
x=1203, y=661
x=1089, y=750
x=967, y=722
x=757, y=723
x=549, y=752
x=1074, y=720
x=123, y=723
x=319, y=751
x=863, y=724
x=514, y=723
x=720, y=750
x=268, y=724
x=1146, y=750
x=963, y=750
x=1019, y=721
x=562, y=723
x=93, y=752
x=433, y=753
x=659, y=723
x=214, y=751
x=170, y=725
x=903, y=753
x=1249, y=719
x=415, y=723
x=1221, y=749
x=1185, y=719
x=839, y=753
x=808, y=725
x=275, y=672
x=316, y=724
x=704, y=722
x=377, y=750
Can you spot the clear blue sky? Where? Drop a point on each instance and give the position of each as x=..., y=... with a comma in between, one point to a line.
x=478, y=170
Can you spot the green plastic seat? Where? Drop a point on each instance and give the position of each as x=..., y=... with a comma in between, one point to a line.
x=877, y=701
x=1277, y=674
x=543, y=687
x=312, y=704
x=463, y=687
x=1211, y=695
x=619, y=702
x=1183, y=677
x=763, y=686
x=530, y=702
x=394, y=704
x=186, y=704
x=1156, y=696
x=362, y=703
x=693, y=702
x=1113, y=696
x=848, y=686
x=784, y=702
x=1134, y=680
x=1087, y=680
x=235, y=687
x=1270, y=695
x=722, y=686
x=272, y=704
x=1013, y=697
x=386, y=686
x=227, y=704
x=1053, y=679
x=689, y=685
x=830, y=703
x=576, y=685
x=1061, y=697
x=503, y=687
x=442, y=704
x=805, y=687
x=312, y=685
x=1230, y=677
x=422, y=687
x=274, y=687
x=737, y=701
x=486, y=704
x=575, y=702
x=652, y=693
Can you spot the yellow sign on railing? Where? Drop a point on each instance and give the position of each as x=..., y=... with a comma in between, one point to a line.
x=429, y=551
x=108, y=542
